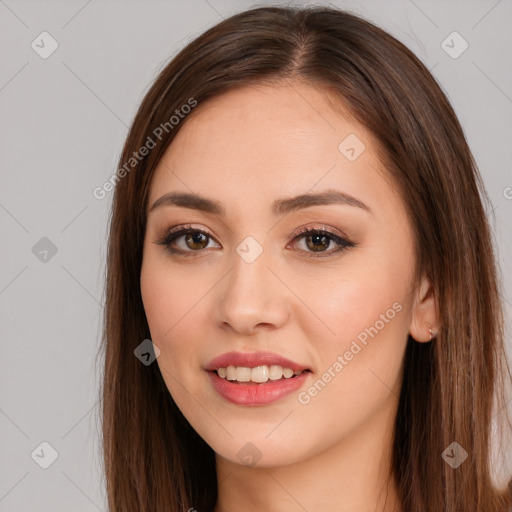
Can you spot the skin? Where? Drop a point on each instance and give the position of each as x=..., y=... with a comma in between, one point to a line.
x=246, y=149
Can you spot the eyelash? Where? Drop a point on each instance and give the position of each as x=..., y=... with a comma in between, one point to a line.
x=173, y=233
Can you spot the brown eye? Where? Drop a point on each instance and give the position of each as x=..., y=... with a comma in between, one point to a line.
x=315, y=242
x=318, y=240
x=194, y=241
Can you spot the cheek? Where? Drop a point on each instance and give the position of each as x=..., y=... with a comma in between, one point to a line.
x=360, y=368
x=166, y=303
x=165, y=306
x=367, y=317
x=159, y=302
x=175, y=308
x=169, y=298
x=356, y=299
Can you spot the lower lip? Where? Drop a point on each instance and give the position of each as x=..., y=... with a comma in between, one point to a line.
x=257, y=394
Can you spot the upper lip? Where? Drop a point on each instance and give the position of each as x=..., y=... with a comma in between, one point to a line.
x=251, y=360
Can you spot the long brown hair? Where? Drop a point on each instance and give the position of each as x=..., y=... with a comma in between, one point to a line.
x=154, y=460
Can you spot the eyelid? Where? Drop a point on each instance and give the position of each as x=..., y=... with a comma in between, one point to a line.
x=183, y=227
x=181, y=230
x=315, y=226
x=342, y=240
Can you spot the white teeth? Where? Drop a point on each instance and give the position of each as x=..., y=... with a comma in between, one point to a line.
x=287, y=372
x=276, y=372
x=243, y=374
x=258, y=374
x=230, y=373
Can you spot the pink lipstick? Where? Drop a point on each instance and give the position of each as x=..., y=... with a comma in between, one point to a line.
x=251, y=393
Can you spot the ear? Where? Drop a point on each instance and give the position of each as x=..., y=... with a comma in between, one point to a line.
x=424, y=320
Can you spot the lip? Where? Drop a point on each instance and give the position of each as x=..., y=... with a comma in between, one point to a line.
x=251, y=360
x=252, y=394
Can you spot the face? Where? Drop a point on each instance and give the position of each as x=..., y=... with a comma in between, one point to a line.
x=251, y=276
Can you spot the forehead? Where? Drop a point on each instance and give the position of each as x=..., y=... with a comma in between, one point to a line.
x=268, y=141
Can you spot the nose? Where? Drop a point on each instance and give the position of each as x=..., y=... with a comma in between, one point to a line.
x=252, y=297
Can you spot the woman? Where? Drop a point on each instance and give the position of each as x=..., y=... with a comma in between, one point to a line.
x=299, y=258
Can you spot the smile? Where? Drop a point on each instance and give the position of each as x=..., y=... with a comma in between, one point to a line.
x=251, y=393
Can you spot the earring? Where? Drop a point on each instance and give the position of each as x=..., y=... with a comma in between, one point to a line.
x=432, y=331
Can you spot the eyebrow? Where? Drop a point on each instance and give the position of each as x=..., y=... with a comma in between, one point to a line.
x=279, y=206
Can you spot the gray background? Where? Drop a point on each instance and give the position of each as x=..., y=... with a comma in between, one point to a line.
x=63, y=122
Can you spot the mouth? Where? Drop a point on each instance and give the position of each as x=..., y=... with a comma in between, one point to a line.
x=256, y=378
x=236, y=384
x=253, y=376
